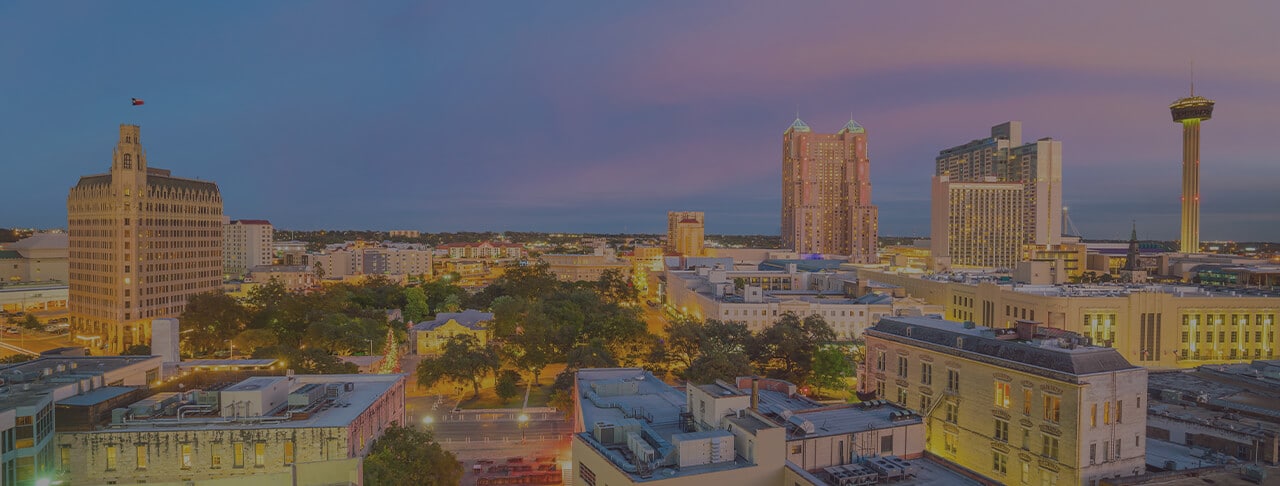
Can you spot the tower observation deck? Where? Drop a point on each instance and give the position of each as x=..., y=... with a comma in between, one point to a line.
x=1190, y=111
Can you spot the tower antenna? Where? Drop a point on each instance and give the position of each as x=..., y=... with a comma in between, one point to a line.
x=1193, y=77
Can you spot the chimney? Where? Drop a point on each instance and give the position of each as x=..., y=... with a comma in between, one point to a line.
x=755, y=394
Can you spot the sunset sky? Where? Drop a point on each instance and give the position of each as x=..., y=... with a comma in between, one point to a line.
x=602, y=116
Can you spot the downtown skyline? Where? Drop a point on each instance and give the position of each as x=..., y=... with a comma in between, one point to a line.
x=456, y=117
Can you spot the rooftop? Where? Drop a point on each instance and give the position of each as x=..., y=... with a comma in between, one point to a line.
x=1062, y=358
x=29, y=383
x=470, y=318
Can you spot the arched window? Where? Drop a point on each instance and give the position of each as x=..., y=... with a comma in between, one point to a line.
x=128, y=161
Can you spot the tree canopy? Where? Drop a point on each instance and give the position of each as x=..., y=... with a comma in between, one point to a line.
x=405, y=456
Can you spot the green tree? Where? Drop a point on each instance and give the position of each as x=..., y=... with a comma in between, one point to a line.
x=593, y=354
x=688, y=339
x=211, y=319
x=249, y=340
x=506, y=387
x=311, y=361
x=615, y=287
x=718, y=364
x=16, y=358
x=31, y=322
x=464, y=360
x=831, y=366
x=416, y=308
x=405, y=456
x=137, y=350
x=785, y=350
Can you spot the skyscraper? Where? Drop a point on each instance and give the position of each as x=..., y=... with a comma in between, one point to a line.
x=246, y=243
x=1036, y=165
x=826, y=192
x=141, y=242
x=685, y=232
x=976, y=224
x=1190, y=111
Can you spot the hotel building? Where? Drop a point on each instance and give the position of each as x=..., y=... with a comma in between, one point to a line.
x=976, y=224
x=1017, y=406
x=246, y=243
x=685, y=232
x=1036, y=165
x=141, y=242
x=826, y=193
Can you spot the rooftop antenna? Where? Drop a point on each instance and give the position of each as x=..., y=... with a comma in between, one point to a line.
x=1193, y=77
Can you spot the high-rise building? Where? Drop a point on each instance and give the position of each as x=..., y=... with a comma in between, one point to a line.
x=1045, y=406
x=246, y=243
x=976, y=224
x=141, y=242
x=685, y=232
x=826, y=192
x=1190, y=111
x=1036, y=165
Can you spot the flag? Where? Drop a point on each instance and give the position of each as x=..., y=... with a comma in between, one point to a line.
x=136, y=101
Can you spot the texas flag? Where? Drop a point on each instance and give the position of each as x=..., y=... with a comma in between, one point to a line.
x=136, y=101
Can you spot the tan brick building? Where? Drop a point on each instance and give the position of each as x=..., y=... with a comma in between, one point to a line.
x=141, y=242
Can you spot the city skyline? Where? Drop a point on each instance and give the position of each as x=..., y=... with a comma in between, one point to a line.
x=608, y=119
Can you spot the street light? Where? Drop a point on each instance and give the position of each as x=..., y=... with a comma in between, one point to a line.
x=428, y=420
x=523, y=419
x=370, y=347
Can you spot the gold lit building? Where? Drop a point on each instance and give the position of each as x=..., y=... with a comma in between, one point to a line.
x=685, y=232
x=1017, y=406
x=976, y=224
x=826, y=193
x=1190, y=112
x=141, y=242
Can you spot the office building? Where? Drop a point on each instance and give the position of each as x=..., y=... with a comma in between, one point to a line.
x=976, y=224
x=405, y=233
x=1189, y=112
x=685, y=232
x=31, y=402
x=826, y=193
x=1153, y=325
x=246, y=243
x=141, y=242
x=1017, y=406
x=589, y=268
x=1036, y=165
x=262, y=430
x=631, y=428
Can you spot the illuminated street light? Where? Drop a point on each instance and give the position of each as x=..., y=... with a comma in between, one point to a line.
x=428, y=420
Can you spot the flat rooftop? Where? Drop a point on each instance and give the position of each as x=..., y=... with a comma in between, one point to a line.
x=207, y=363
x=31, y=382
x=94, y=397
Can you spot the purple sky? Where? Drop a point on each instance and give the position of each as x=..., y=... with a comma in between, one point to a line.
x=601, y=116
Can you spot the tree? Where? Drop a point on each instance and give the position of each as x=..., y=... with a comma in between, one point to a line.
x=405, y=456
x=615, y=287
x=416, y=308
x=831, y=365
x=211, y=319
x=137, y=350
x=31, y=322
x=593, y=354
x=16, y=358
x=464, y=360
x=688, y=339
x=785, y=350
x=506, y=387
x=250, y=340
x=715, y=365
x=310, y=361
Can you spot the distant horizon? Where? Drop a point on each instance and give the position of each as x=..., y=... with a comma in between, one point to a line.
x=602, y=119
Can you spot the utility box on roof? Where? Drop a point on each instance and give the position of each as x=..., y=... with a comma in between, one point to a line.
x=255, y=396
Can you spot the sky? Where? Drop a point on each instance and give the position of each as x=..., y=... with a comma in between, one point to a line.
x=601, y=116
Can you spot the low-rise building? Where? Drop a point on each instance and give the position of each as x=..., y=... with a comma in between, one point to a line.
x=576, y=268
x=33, y=389
x=432, y=335
x=1228, y=409
x=1152, y=325
x=482, y=250
x=1017, y=406
x=405, y=233
x=295, y=278
x=38, y=258
x=257, y=429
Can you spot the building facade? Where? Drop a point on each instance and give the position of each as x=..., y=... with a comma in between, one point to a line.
x=1018, y=407
x=976, y=224
x=246, y=243
x=39, y=258
x=685, y=232
x=575, y=268
x=141, y=242
x=1036, y=165
x=1161, y=326
x=826, y=193
x=431, y=336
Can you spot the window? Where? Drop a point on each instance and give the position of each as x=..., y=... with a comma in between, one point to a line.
x=1004, y=394
x=111, y=458
x=1026, y=472
x=64, y=457
x=1106, y=413
x=1002, y=430
x=926, y=374
x=953, y=412
x=288, y=452
x=260, y=454
x=902, y=396
x=999, y=462
x=1093, y=453
x=237, y=458
x=1119, y=410
x=886, y=444
x=880, y=388
x=1052, y=408
x=880, y=360
x=924, y=404
x=798, y=448
x=1093, y=415
x=186, y=456
x=1050, y=447
x=950, y=442
x=142, y=456
x=215, y=459
x=586, y=474
x=953, y=381
x=1048, y=478
x=1026, y=401
x=1106, y=451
